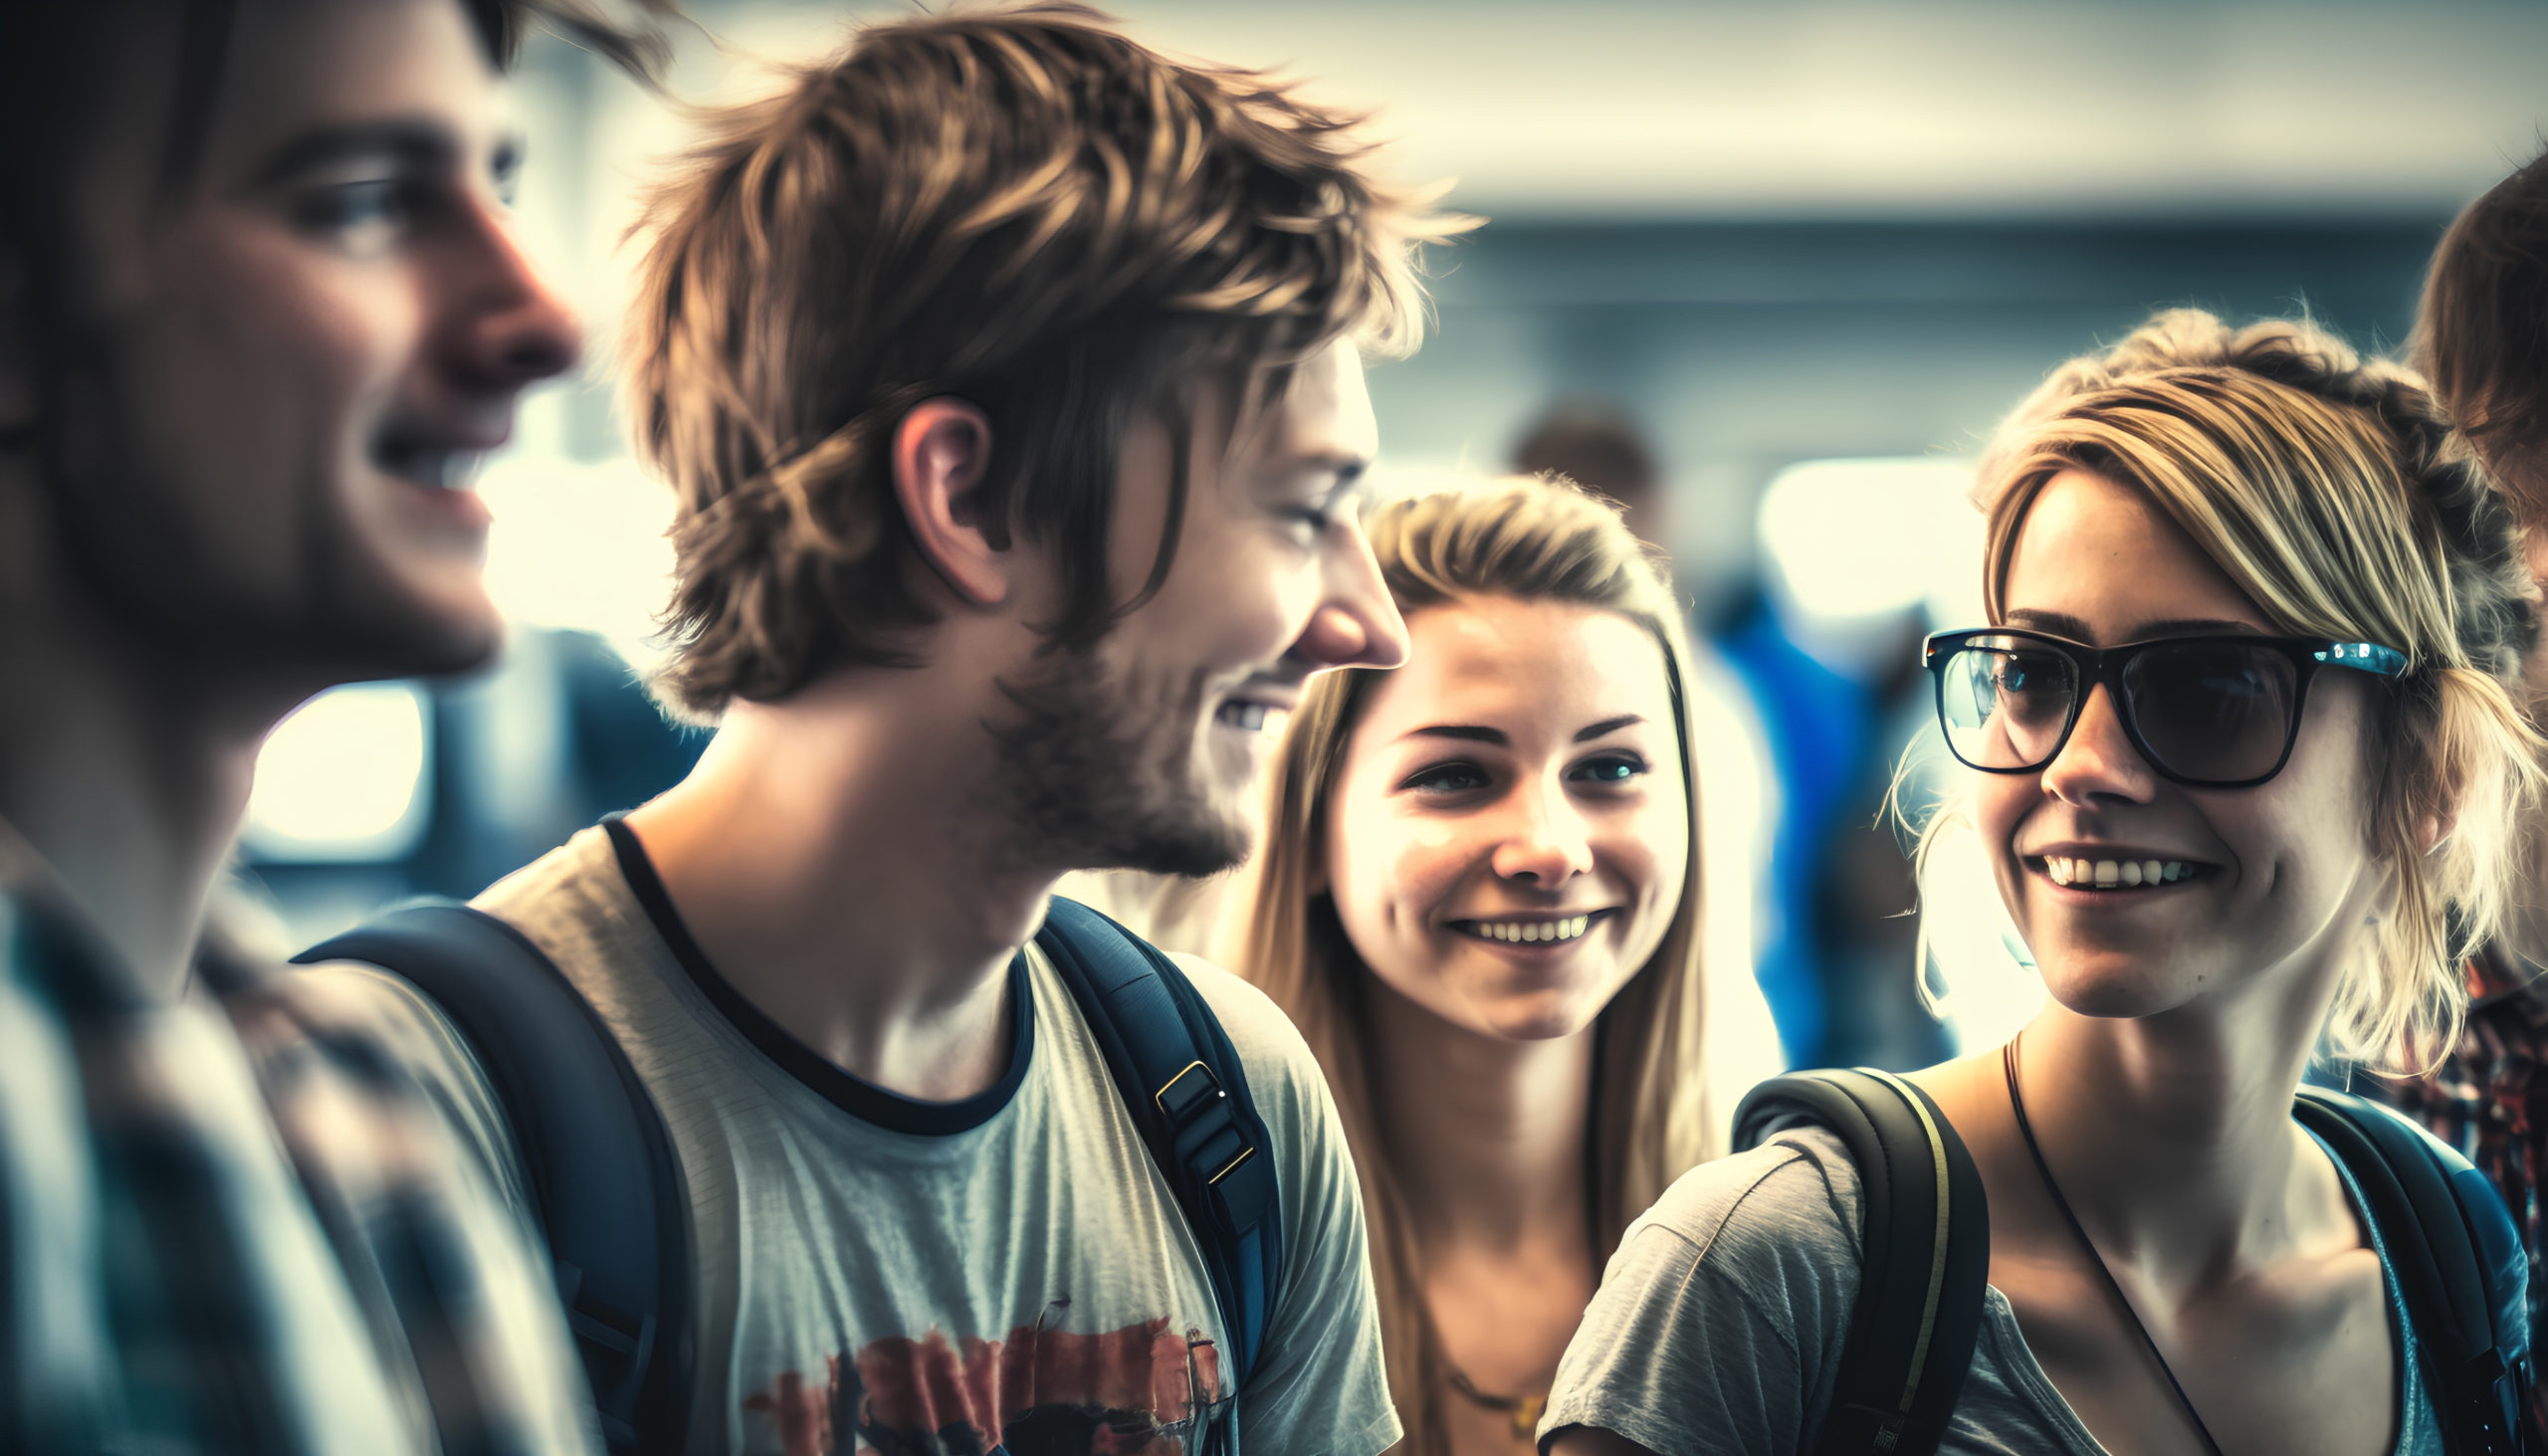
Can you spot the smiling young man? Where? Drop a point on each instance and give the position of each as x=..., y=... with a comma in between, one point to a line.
x=260, y=310
x=1006, y=373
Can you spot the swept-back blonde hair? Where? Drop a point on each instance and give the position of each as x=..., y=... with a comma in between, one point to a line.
x=2329, y=489
x=1530, y=540
x=1020, y=207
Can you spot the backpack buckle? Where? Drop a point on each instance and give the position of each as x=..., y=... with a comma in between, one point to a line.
x=1208, y=1137
x=1199, y=1089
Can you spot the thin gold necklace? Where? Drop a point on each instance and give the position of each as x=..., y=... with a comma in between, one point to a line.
x=1524, y=1412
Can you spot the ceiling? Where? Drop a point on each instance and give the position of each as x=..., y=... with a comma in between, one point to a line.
x=1819, y=108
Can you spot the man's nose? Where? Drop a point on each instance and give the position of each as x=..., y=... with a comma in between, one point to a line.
x=1357, y=624
x=508, y=330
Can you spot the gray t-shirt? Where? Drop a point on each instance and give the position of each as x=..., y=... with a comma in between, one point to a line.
x=878, y=1273
x=1720, y=1322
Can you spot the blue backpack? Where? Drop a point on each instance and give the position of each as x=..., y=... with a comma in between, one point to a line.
x=609, y=1188
x=1927, y=1256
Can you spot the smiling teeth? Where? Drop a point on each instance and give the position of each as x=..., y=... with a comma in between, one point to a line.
x=1524, y=932
x=2112, y=874
x=1253, y=717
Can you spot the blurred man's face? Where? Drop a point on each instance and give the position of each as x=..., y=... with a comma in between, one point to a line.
x=289, y=361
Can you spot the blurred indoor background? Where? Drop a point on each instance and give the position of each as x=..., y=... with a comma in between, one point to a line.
x=1787, y=260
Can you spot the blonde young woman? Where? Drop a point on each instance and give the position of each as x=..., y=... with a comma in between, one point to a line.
x=1479, y=901
x=2246, y=754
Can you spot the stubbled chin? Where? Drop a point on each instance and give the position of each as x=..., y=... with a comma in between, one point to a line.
x=431, y=618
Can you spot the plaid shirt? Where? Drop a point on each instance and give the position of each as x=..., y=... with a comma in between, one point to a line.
x=2490, y=1101
x=229, y=1223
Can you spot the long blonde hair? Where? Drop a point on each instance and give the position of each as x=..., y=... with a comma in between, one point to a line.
x=2329, y=489
x=1530, y=540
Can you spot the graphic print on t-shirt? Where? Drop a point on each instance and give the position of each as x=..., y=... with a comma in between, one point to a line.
x=1140, y=1391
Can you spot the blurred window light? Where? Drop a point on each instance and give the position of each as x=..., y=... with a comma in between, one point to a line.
x=344, y=779
x=1858, y=542
x=1979, y=968
x=581, y=547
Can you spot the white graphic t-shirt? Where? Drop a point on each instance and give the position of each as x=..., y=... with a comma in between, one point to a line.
x=1009, y=1273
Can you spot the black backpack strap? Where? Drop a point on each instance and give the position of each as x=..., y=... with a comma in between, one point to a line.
x=2459, y=1260
x=601, y=1166
x=1187, y=1092
x=1927, y=1243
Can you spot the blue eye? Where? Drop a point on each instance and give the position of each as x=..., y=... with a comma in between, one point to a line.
x=1610, y=768
x=372, y=205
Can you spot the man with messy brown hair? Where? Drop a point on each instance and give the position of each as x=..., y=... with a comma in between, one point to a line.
x=2481, y=337
x=1008, y=375
x=261, y=311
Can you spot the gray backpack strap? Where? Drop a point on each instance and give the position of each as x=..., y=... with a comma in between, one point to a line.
x=1927, y=1253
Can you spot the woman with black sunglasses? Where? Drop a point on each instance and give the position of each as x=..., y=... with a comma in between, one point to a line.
x=2245, y=758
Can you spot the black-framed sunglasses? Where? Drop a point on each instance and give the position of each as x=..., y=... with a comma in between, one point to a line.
x=2213, y=712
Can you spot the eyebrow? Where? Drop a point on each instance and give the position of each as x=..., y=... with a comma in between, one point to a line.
x=415, y=142
x=2062, y=624
x=1480, y=733
x=1609, y=725
x=2185, y=626
x=1463, y=733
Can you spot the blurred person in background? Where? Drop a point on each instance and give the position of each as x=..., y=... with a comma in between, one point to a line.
x=2247, y=752
x=1479, y=899
x=260, y=314
x=2481, y=336
x=1600, y=448
x=1006, y=375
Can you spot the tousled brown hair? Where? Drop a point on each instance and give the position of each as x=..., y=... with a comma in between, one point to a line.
x=1022, y=208
x=2482, y=334
x=1532, y=540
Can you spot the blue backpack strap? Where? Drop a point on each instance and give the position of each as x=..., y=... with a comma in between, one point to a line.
x=1927, y=1253
x=1187, y=1093
x=601, y=1166
x=2459, y=1260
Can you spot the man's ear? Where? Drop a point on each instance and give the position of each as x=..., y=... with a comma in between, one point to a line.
x=942, y=455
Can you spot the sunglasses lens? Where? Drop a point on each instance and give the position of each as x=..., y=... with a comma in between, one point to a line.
x=2213, y=713
x=2004, y=701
